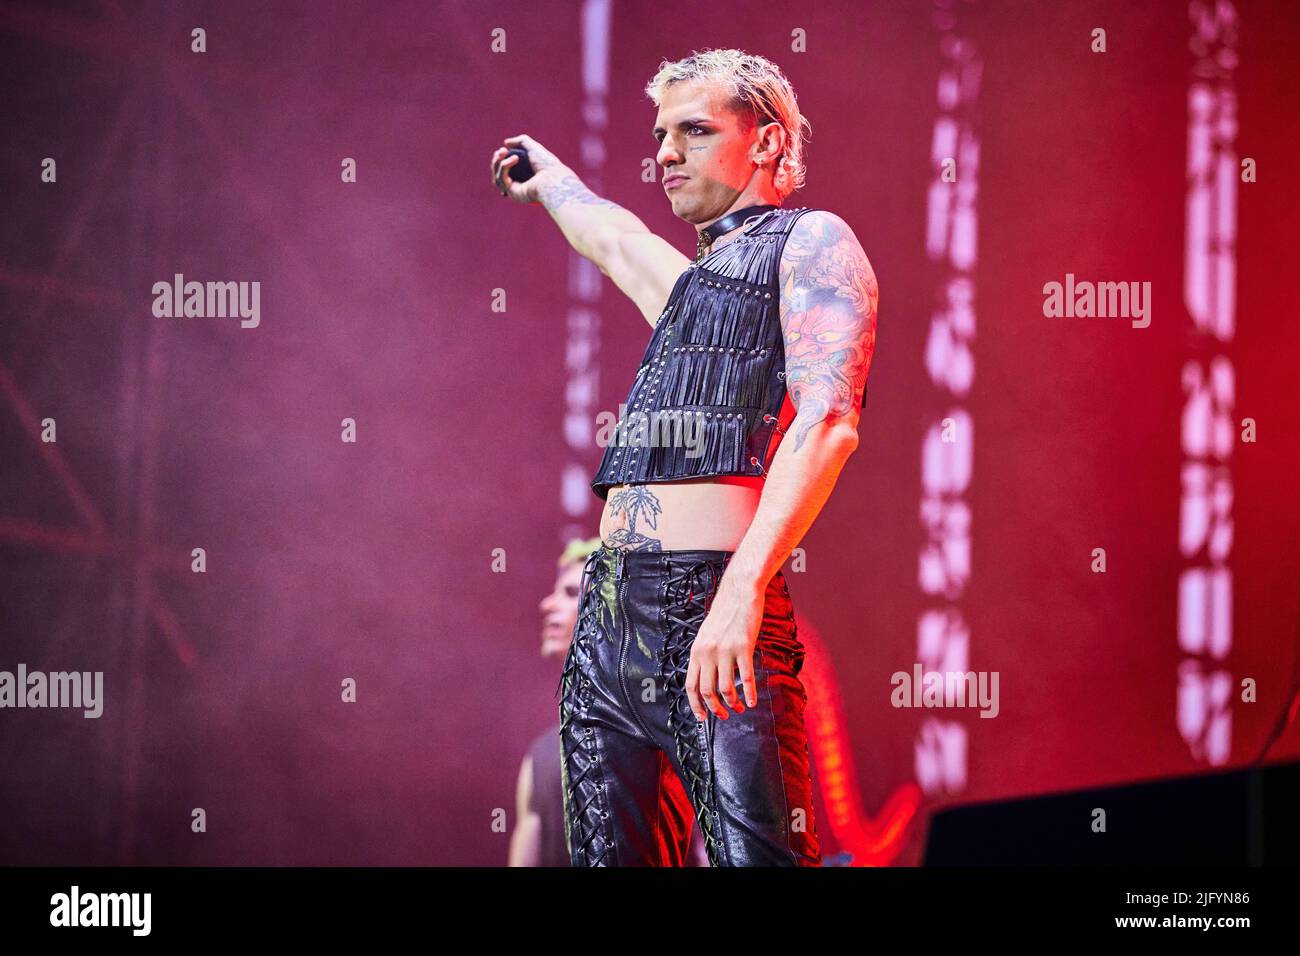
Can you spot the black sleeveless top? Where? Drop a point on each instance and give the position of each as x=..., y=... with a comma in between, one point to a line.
x=706, y=397
x=548, y=797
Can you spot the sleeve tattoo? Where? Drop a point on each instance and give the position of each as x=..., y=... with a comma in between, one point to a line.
x=828, y=319
x=569, y=189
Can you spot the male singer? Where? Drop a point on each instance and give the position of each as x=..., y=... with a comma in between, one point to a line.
x=680, y=690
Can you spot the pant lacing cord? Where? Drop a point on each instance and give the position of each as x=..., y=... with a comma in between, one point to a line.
x=688, y=592
x=593, y=574
x=580, y=828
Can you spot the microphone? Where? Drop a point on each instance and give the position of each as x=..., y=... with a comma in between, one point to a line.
x=521, y=171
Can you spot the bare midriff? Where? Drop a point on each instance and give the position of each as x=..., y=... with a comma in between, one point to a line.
x=711, y=513
x=699, y=513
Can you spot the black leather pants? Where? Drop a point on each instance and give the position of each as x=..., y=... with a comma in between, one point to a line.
x=637, y=763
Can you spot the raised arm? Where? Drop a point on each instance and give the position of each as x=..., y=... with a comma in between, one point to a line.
x=642, y=265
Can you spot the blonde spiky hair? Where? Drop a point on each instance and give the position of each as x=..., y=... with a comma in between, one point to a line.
x=758, y=90
x=578, y=549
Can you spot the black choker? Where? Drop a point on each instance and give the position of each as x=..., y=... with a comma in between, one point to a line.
x=724, y=226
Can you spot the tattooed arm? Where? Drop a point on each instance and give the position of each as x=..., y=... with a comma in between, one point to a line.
x=828, y=318
x=642, y=265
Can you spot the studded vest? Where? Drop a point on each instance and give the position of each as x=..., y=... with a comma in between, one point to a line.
x=708, y=393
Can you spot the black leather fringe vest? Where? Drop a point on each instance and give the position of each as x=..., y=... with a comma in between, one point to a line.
x=706, y=397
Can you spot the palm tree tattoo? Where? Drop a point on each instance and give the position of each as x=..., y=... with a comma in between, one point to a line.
x=635, y=501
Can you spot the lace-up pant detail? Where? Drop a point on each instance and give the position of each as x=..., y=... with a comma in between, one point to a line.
x=638, y=766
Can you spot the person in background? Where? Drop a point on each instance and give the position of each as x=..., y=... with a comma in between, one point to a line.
x=538, y=837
